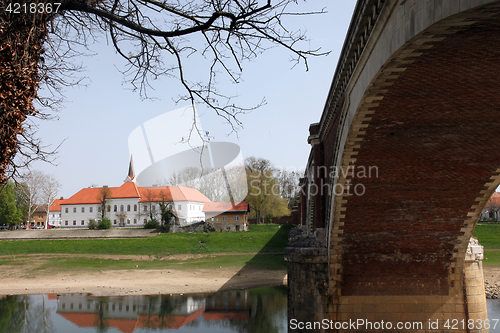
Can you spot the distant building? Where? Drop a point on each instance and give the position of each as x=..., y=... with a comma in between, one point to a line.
x=492, y=208
x=55, y=213
x=39, y=216
x=132, y=206
x=227, y=216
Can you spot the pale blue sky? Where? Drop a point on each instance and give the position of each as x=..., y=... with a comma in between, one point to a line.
x=96, y=120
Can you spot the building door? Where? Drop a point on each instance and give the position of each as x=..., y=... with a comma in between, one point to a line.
x=122, y=222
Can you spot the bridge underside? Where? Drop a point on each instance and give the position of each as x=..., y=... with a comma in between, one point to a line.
x=434, y=136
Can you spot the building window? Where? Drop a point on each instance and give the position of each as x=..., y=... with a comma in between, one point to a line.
x=115, y=208
x=224, y=218
x=83, y=209
x=121, y=208
x=109, y=208
x=66, y=210
x=114, y=221
x=154, y=207
x=135, y=221
x=128, y=208
x=145, y=208
x=65, y=222
x=128, y=221
x=135, y=208
x=74, y=222
x=179, y=207
x=74, y=209
x=83, y=222
x=145, y=221
x=91, y=209
x=236, y=217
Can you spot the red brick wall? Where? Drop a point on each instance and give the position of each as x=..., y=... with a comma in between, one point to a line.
x=435, y=140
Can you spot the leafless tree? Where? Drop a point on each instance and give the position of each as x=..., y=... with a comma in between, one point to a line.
x=152, y=198
x=51, y=187
x=30, y=191
x=288, y=182
x=104, y=198
x=155, y=37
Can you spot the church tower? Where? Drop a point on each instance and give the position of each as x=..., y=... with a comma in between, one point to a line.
x=131, y=173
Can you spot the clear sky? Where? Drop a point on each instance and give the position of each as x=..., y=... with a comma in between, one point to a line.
x=95, y=121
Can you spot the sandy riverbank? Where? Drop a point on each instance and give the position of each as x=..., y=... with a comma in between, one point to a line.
x=25, y=279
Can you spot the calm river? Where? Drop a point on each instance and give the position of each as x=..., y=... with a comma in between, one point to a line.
x=261, y=310
x=252, y=310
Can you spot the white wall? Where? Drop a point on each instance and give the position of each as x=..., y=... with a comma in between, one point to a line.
x=189, y=212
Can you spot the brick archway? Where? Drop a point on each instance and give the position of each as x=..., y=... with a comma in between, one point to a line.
x=430, y=122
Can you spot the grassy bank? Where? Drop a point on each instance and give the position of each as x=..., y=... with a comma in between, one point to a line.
x=267, y=240
x=488, y=235
x=260, y=238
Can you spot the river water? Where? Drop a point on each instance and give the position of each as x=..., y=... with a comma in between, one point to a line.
x=260, y=310
x=252, y=310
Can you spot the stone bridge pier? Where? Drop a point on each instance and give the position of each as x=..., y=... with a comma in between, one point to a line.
x=313, y=309
x=403, y=160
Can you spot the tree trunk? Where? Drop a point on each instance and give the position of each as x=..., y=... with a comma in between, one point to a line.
x=21, y=39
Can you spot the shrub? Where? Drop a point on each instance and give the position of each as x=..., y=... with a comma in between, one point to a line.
x=165, y=228
x=92, y=224
x=152, y=224
x=105, y=223
x=208, y=227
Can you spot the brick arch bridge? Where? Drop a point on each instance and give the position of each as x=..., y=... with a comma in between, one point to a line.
x=403, y=160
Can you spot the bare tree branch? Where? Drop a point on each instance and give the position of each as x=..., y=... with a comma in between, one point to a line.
x=38, y=50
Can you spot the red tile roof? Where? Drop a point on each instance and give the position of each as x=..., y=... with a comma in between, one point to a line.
x=90, y=195
x=495, y=197
x=56, y=205
x=131, y=190
x=172, y=193
x=225, y=207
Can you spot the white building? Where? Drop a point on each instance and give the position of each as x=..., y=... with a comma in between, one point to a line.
x=54, y=218
x=132, y=206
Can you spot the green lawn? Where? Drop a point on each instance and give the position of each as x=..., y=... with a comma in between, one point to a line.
x=263, y=239
x=491, y=258
x=488, y=235
x=260, y=238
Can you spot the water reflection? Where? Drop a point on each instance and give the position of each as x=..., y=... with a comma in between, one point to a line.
x=252, y=310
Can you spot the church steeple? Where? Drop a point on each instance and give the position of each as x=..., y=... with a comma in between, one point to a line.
x=131, y=173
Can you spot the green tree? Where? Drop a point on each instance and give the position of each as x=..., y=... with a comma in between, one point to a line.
x=10, y=214
x=264, y=190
